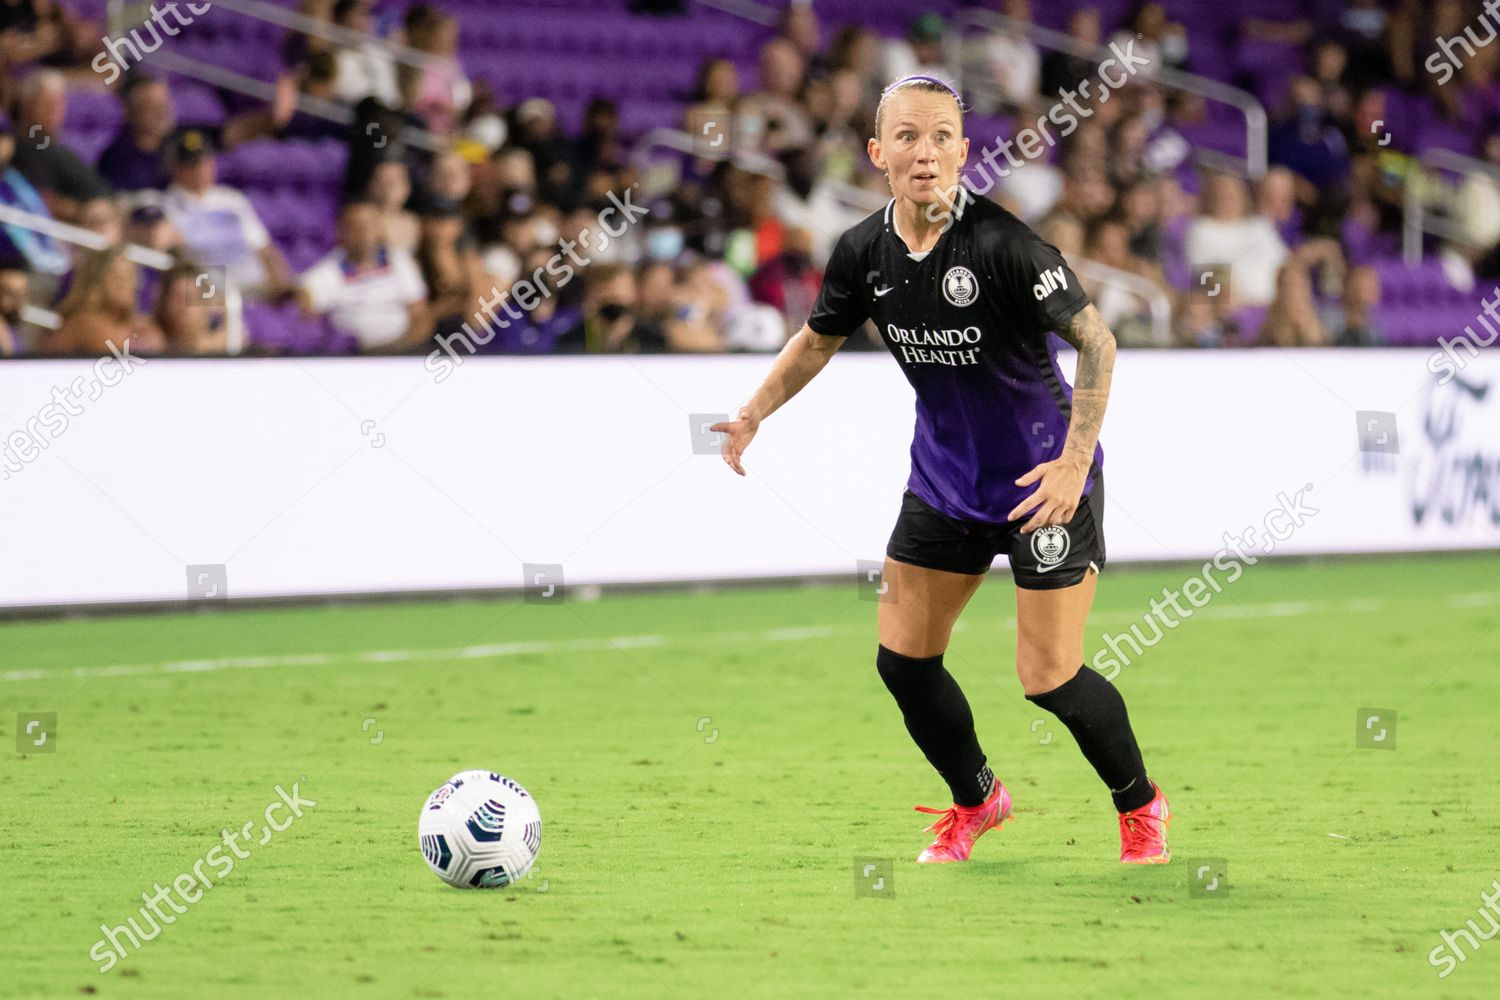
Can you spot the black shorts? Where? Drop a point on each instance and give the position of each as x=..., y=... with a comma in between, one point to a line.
x=1048, y=558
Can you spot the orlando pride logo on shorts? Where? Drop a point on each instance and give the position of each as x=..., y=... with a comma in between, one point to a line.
x=1050, y=546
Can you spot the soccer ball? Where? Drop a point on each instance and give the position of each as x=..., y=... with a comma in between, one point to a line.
x=480, y=830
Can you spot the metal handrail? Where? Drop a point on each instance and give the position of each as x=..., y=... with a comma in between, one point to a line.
x=857, y=197
x=750, y=161
x=748, y=9
x=234, y=331
x=1158, y=303
x=297, y=21
x=1414, y=218
x=226, y=79
x=1256, y=125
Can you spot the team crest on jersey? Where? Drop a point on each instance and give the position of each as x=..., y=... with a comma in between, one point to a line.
x=959, y=286
x=1050, y=546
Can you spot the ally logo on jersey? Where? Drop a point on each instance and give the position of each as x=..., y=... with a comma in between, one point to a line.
x=1052, y=279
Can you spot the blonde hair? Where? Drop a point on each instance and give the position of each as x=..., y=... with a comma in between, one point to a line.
x=87, y=288
x=917, y=82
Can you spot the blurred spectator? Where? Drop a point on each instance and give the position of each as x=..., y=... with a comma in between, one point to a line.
x=63, y=180
x=1353, y=323
x=799, y=25
x=1307, y=140
x=101, y=309
x=188, y=326
x=808, y=202
x=218, y=224
x=1276, y=200
x=857, y=50
x=43, y=31
x=315, y=79
x=1141, y=212
x=20, y=246
x=1163, y=42
x=709, y=310
x=1227, y=240
x=1064, y=231
x=389, y=191
x=841, y=125
x=1108, y=243
x=439, y=91
x=148, y=227
x=137, y=158
x=609, y=324
x=1202, y=322
x=102, y=216
x=365, y=289
x=540, y=327
x=536, y=132
x=1006, y=66
x=1061, y=71
x=598, y=145
x=298, y=45
x=449, y=265
x=13, y=289
x=363, y=70
x=450, y=178
x=789, y=282
x=1292, y=320
x=1330, y=63
x=773, y=118
x=921, y=51
x=716, y=94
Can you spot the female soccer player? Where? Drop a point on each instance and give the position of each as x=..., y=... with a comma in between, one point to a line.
x=1005, y=459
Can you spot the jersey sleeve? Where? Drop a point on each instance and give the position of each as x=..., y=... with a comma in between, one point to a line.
x=842, y=306
x=1042, y=285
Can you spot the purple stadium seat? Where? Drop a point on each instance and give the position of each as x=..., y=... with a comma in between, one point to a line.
x=92, y=111
x=196, y=104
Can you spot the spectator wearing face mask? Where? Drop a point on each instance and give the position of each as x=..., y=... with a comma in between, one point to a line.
x=609, y=324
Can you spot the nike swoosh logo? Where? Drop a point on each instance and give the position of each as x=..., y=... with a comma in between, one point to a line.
x=881, y=291
x=1045, y=569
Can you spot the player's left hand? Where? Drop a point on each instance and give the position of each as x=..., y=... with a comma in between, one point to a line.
x=1056, y=499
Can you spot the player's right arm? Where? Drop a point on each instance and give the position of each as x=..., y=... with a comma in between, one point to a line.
x=842, y=308
x=799, y=361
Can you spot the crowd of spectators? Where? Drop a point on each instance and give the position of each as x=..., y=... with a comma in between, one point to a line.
x=729, y=257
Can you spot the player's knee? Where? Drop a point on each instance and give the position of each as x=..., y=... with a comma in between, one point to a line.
x=897, y=669
x=1042, y=667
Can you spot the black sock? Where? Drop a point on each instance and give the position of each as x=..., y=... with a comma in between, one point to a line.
x=1094, y=713
x=938, y=717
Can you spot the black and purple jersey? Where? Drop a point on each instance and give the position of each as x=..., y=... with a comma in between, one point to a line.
x=968, y=322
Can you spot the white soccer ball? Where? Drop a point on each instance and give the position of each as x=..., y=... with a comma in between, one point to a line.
x=480, y=830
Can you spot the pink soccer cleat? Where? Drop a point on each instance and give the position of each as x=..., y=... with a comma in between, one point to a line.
x=1143, y=832
x=959, y=826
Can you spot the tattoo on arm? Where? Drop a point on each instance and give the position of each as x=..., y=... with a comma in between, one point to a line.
x=1087, y=332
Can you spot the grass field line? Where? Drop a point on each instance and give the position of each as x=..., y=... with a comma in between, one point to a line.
x=1272, y=609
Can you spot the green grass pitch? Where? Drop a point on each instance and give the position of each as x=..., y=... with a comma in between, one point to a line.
x=711, y=769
